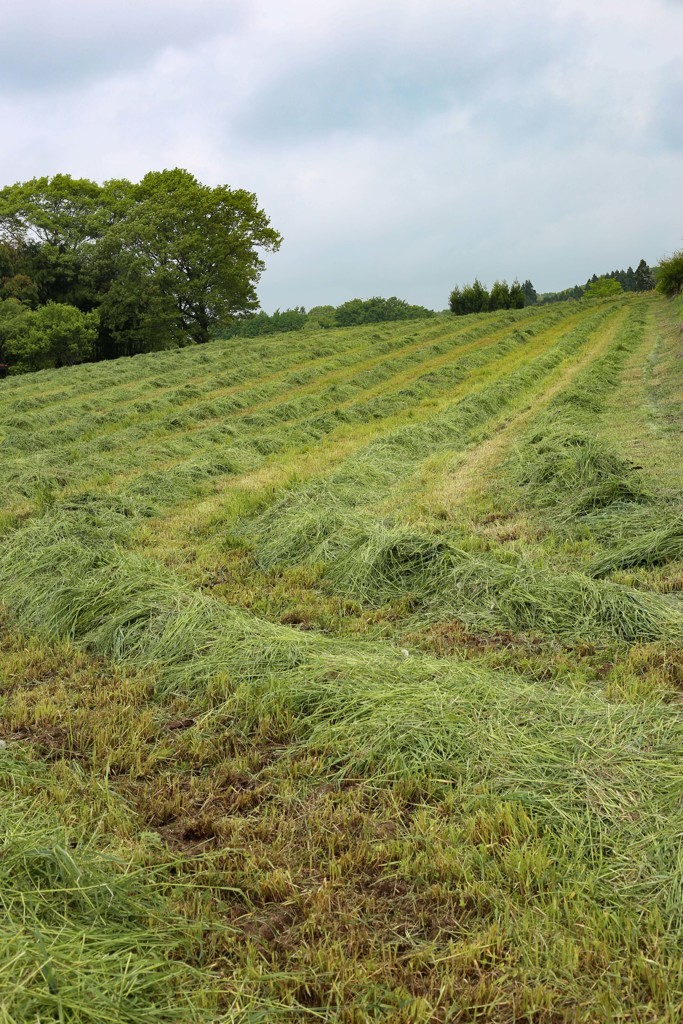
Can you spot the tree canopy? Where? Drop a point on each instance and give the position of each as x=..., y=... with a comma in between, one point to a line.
x=474, y=298
x=165, y=261
x=348, y=314
x=602, y=287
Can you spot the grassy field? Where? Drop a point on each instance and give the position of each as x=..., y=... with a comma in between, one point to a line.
x=341, y=676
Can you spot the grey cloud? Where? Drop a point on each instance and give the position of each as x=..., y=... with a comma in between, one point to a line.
x=48, y=47
x=389, y=83
x=666, y=126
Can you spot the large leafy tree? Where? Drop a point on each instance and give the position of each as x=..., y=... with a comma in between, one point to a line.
x=47, y=226
x=191, y=252
x=163, y=261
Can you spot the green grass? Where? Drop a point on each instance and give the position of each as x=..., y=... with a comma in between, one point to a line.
x=340, y=677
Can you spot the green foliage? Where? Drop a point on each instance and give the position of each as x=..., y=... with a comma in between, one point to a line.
x=20, y=287
x=52, y=335
x=500, y=296
x=505, y=296
x=518, y=297
x=602, y=288
x=164, y=261
x=567, y=294
x=262, y=323
x=643, y=279
x=639, y=280
x=353, y=313
x=670, y=274
x=472, y=298
x=530, y=294
x=49, y=225
x=195, y=247
x=475, y=298
x=377, y=310
x=55, y=211
x=320, y=317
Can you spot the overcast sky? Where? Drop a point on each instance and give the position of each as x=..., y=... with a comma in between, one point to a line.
x=399, y=146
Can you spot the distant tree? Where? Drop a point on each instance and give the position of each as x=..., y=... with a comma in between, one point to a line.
x=630, y=281
x=670, y=275
x=602, y=287
x=279, y=322
x=321, y=317
x=455, y=301
x=377, y=310
x=474, y=298
x=499, y=297
x=350, y=313
x=517, y=295
x=643, y=278
x=530, y=294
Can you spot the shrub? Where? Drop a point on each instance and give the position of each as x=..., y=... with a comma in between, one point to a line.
x=670, y=274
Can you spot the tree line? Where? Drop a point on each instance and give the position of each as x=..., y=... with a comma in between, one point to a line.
x=475, y=298
x=91, y=271
x=349, y=314
x=642, y=279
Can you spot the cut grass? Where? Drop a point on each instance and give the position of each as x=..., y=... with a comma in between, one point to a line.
x=342, y=757
x=512, y=849
x=488, y=594
x=86, y=935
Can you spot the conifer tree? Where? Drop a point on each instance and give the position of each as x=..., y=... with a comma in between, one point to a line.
x=643, y=277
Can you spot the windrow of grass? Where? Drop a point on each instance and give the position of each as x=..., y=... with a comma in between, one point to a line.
x=497, y=591
x=247, y=375
x=329, y=522
x=310, y=893
x=303, y=523
x=599, y=780
x=576, y=478
x=187, y=449
x=367, y=833
x=369, y=706
x=295, y=357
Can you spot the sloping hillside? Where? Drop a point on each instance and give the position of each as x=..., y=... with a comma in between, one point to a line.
x=341, y=676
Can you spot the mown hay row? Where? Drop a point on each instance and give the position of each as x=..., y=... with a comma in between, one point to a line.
x=291, y=530
x=365, y=707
